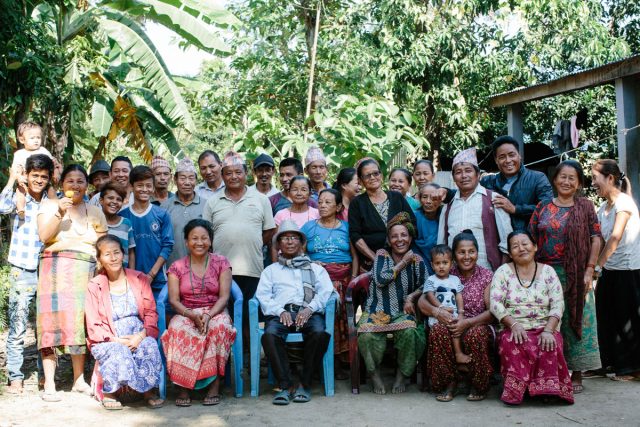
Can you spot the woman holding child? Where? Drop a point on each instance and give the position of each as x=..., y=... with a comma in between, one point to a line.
x=471, y=327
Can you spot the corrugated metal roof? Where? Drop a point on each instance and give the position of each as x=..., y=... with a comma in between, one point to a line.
x=570, y=75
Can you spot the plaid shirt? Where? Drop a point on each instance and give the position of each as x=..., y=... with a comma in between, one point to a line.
x=25, y=243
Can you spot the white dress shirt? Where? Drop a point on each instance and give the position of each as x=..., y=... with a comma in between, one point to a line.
x=467, y=214
x=280, y=285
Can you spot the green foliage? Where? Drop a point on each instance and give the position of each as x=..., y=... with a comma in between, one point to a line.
x=5, y=269
x=353, y=128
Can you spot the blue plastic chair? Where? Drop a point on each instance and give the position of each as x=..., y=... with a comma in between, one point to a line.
x=162, y=299
x=256, y=333
x=236, y=296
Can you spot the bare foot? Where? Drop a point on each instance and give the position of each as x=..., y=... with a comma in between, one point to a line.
x=462, y=358
x=400, y=384
x=378, y=384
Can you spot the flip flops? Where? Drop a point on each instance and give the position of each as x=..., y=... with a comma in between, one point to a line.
x=51, y=396
x=211, y=400
x=302, y=395
x=281, y=398
x=111, y=404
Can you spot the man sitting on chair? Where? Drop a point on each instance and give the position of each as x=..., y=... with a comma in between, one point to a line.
x=293, y=294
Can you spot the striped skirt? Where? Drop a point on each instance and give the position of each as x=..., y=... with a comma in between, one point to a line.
x=62, y=284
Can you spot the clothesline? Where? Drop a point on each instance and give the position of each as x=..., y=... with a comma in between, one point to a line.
x=584, y=146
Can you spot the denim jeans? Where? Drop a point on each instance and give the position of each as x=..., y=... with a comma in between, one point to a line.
x=23, y=285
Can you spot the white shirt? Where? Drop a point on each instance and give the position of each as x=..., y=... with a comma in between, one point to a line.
x=271, y=192
x=626, y=255
x=280, y=285
x=467, y=214
x=95, y=200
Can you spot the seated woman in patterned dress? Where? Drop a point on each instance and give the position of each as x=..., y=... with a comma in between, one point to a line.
x=396, y=283
x=472, y=328
x=199, y=338
x=526, y=297
x=122, y=327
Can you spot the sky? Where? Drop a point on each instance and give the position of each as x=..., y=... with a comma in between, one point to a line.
x=180, y=61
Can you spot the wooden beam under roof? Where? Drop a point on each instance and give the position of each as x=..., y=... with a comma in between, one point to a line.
x=605, y=74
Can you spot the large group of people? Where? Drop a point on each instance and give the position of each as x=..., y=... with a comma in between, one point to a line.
x=508, y=273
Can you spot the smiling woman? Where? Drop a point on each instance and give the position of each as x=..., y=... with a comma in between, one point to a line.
x=69, y=228
x=199, y=288
x=567, y=233
x=122, y=327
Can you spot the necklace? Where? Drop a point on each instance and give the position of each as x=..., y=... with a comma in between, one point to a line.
x=535, y=272
x=193, y=291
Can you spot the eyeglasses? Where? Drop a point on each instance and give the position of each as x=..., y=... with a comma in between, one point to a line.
x=368, y=176
x=290, y=238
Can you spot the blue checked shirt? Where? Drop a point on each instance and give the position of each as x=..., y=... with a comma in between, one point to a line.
x=25, y=243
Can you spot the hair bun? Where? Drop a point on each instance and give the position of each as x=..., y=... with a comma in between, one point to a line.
x=467, y=231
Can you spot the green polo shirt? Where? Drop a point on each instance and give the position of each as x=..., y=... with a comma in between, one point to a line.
x=238, y=227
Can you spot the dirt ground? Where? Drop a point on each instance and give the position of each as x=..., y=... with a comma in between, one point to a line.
x=603, y=403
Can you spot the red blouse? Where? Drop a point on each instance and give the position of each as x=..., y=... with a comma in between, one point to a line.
x=192, y=293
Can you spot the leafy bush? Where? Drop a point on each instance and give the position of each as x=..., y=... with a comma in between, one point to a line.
x=4, y=287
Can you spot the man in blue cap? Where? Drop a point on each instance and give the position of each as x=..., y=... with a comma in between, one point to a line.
x=263, y=169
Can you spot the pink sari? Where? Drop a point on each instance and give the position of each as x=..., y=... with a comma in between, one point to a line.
x=526, y=367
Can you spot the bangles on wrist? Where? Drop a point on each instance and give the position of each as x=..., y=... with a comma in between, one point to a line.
x=514, y=324
x=185, y=311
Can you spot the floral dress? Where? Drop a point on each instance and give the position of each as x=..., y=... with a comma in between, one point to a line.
x=119, y=366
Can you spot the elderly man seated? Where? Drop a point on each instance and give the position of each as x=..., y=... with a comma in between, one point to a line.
x=293, y=294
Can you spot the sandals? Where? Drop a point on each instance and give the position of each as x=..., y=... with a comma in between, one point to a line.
x=447, y=395
x=578, y=388
x=183, y=402
x=15, y=388
x=211, y=400
x=474, y=396
x=281, y=398
x=111, y=404
x=302, y=395
x=157, y=405
x=51, y=396
x=625, y=378
x=83, y=388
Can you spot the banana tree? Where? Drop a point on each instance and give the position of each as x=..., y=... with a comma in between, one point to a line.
x=117, y=82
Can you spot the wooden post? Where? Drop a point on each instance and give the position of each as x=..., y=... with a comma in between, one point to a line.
x=628, y=116
x=514, y=125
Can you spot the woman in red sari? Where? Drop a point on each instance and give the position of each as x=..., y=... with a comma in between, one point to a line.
x=473, y=328
x=527, y=299
x=198, y=340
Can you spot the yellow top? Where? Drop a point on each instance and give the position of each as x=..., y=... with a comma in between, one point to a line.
x=71, y=235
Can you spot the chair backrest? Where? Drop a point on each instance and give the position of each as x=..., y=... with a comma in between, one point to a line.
x=358, y=290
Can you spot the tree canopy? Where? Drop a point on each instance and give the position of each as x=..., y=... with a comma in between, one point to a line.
x=390, y=75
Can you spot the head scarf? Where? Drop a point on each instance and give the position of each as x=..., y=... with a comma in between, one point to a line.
x=402, y=218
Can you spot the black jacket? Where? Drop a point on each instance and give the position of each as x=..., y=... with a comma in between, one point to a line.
x=365, y=222
x=529, y=188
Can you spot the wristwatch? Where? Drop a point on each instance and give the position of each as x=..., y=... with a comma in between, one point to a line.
x=597, y=271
